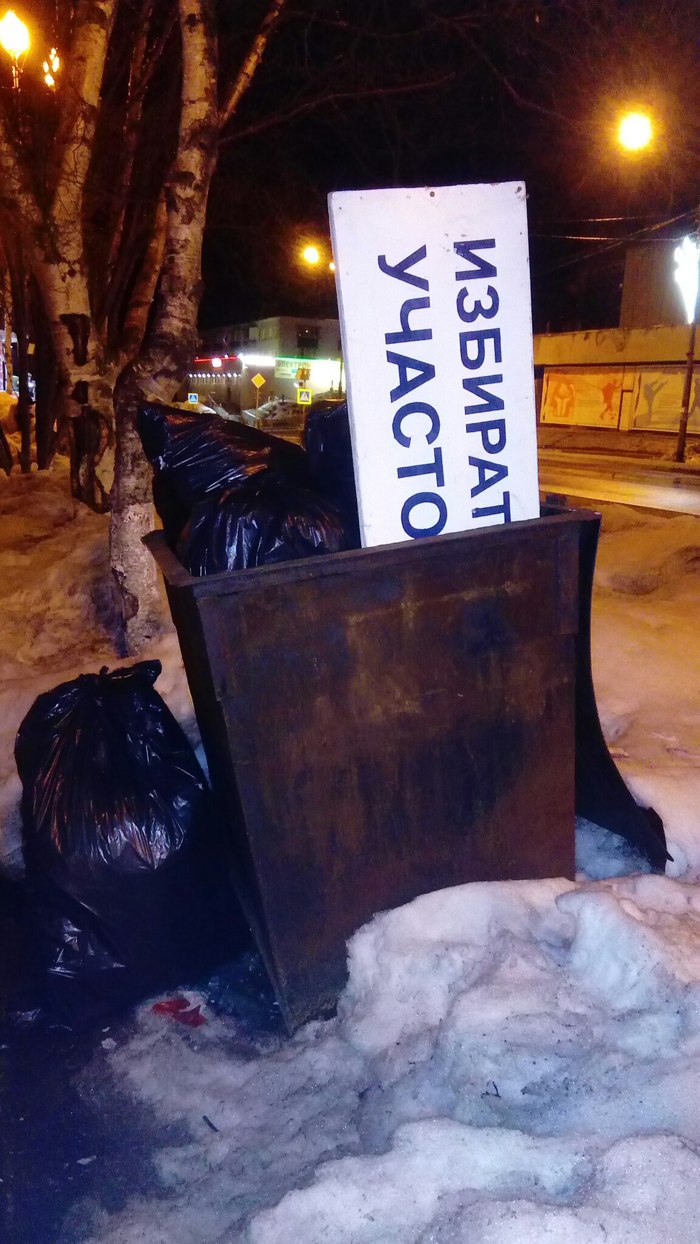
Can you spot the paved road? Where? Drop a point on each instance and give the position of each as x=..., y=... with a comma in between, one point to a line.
x=667, y=486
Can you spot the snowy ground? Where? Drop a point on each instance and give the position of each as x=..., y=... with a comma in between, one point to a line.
x=511, y=1063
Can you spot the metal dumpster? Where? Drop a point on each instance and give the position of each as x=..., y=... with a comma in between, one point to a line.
x=386, y=722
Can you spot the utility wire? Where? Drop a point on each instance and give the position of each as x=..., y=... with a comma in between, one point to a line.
x=596, y=237
x=630, y=237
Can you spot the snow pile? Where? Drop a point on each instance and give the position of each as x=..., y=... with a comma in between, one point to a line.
x=646, y=658
x=512, y=1062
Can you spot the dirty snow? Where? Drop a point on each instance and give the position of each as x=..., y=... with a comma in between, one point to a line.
x=54, y=613
x=511, y=1063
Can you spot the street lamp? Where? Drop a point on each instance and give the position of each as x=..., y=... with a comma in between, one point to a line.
x=313, y=255
x=635, y=131
x=14, y=39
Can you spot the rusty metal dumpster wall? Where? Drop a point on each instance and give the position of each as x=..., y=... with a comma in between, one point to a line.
x=385, y=722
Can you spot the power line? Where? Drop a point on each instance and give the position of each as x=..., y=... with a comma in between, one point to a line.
x=630, y=237
x=595, y=237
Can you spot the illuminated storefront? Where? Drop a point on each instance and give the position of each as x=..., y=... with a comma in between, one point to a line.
x=249, y=364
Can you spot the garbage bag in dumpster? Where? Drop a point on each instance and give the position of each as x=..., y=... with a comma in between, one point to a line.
x=329, y=448
x=195, y=455
x=265, y=520
x=121, y=845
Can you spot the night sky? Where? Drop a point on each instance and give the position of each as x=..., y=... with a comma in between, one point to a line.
x=387, y=93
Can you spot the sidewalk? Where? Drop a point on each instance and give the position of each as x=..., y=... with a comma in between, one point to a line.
x=589, y=470
x=653, y=450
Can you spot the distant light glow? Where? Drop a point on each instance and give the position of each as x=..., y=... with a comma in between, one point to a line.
x=51, y=68
x=687, y=259
x=257, y=360
x=635, y=131
x=331, y=267
x=216, y=362
x=311, y=254
x=296, y=358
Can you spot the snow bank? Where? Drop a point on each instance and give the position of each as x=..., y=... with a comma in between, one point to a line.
x=512, y=1062
x=55, y=615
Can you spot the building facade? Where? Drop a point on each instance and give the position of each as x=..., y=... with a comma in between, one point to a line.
x=629, y=378
x=245, y=365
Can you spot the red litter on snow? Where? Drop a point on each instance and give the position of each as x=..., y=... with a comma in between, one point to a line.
x=180, y=1009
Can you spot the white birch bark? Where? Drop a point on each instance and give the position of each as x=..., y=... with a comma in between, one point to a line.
x=155, y=374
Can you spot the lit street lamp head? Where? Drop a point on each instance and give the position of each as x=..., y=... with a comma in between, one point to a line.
x=635, y=131
x=311, y=254
x=14, y=39
x=14, y=35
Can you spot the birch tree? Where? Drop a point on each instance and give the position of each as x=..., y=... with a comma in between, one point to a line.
x=114, y=247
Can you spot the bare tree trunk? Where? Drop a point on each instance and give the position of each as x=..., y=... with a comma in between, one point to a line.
x=85, y=391
x=156, y=373
x=5, y=453
x=136, y=318
x=46, y=403
x=19, y=306
x=5, y=450
x=133, y=569
x=7, y=299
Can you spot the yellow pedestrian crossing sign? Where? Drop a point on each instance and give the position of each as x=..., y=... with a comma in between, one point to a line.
x=304, y=397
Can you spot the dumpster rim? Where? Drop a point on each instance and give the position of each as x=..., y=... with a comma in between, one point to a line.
x=177, y=575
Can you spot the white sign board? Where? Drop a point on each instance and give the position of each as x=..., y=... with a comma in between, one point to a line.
x=434, y=294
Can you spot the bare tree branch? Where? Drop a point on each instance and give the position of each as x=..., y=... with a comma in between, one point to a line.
x=245, y=74
x=325, y=98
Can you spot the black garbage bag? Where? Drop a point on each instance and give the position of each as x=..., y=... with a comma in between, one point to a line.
x=123, y=851
x=196, y=455
x=268, y=519
x=329, y=450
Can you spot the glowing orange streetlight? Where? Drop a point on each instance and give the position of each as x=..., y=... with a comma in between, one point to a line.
x=14, y=39
x=635, y=131
x=311, y=255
